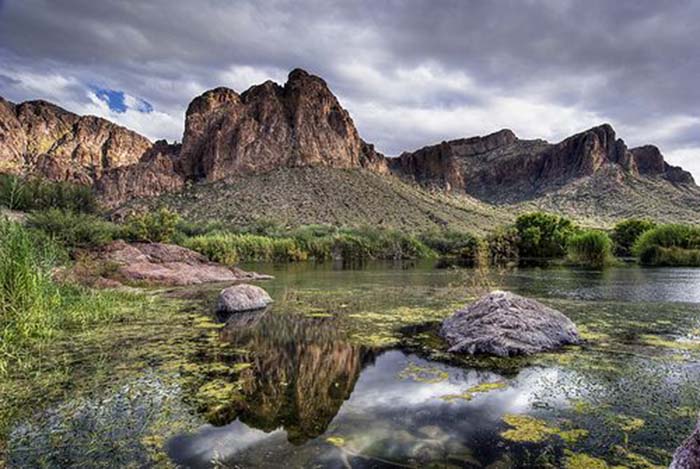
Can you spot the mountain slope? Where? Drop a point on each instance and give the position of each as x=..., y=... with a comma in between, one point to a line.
x=298, y=196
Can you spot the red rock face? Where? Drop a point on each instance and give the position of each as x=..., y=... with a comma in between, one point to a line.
x=41, y=138
x=502, y=168
x=271, y=126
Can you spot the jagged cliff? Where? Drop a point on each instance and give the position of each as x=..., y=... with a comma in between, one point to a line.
x=502, y=168
x=41, y=138
x=301, y=124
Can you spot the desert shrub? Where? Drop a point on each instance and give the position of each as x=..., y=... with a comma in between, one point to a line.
x=591, y=248
x=503, y=245
x=25, y=194
x=626, y=233
x=456, y=247
x=188, y=228
x=218, y=247
x=73, y=229
x=543, y=235
x=153, y=227
x=671, y=244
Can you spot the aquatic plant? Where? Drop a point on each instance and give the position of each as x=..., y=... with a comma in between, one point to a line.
x=470, y=393
x=590, y=248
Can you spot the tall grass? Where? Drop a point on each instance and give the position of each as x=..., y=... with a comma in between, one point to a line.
x=669, y=245
x=33, y=308
x=27, y=194
x=591, y=248
x=317, y=242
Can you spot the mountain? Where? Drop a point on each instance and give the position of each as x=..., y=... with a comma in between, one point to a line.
x=501, y=168
x=292, y=152
x=41, y=138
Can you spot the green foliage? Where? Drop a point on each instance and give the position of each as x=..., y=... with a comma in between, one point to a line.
x=33, y=308
x=456, y=246
x=74, y=230
x=543, y=235
x=503, y=245
x=626, y=233
x=669, y=245
x=152, y=227
x=591, y=248
x=317, y=242
x=18, y=193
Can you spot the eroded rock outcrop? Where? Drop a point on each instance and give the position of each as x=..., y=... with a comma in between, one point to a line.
x=502, y=168
x=270, y=126
x=41, y=138
x=164, y=264
x=504, y=324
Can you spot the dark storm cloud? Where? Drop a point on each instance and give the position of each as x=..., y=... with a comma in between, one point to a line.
x=411, y=72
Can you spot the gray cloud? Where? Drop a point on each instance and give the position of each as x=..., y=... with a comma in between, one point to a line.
x=411, y=72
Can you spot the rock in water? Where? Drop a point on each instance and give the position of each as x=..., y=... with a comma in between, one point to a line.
x=687, y=456
x=242, y=297
x=505, y=324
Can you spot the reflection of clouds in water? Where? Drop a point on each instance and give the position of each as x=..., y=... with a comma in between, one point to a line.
x=217, y=443
x=390, y=417
x=381, y=388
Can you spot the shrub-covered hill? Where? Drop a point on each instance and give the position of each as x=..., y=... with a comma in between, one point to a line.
x=344, y=197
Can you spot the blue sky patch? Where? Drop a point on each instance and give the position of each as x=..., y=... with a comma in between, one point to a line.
x=119, y=102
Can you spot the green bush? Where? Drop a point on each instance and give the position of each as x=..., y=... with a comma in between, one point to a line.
x=218, y=247
x=591, y=248
x=503, y=245
x=626, y=233
x=25, y=194
x=152, y=227
x=456, y=246
x=74, y=230
x=543, y=235
x=668, y=245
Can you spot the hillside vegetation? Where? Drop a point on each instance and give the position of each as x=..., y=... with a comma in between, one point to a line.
x=320, y=195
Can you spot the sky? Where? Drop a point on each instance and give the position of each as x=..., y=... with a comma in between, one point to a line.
x=410, y=72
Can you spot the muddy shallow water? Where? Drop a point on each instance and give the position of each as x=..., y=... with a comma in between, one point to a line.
x=345, y=370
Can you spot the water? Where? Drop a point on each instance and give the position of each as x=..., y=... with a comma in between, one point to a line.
x=345, y=370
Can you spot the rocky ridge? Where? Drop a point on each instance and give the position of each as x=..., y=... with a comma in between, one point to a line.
x=302, y=124
x=501, y=168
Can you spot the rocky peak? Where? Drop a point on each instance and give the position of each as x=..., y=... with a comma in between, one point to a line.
x=502, y=168
x=42, y=138
x=269, y=126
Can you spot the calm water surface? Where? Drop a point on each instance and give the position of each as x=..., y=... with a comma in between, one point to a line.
x=345, y=370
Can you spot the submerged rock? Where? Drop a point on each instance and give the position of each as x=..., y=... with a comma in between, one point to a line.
x=242, y=297
x=505, y=324
x=687, y=456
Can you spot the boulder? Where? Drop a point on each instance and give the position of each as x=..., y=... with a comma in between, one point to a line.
x=687, y=456
x=242, y=297
x=504, y=324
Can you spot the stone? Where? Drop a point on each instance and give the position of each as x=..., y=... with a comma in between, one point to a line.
x=687, y=456
x=504, y=324
x=242, y=297
x=166, y=264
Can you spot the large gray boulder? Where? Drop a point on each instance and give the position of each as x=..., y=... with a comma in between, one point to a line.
x=242, y=297
x=687, y=456
x=504, y=324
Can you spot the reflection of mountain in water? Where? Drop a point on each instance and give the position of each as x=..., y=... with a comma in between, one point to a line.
x=303, y=370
